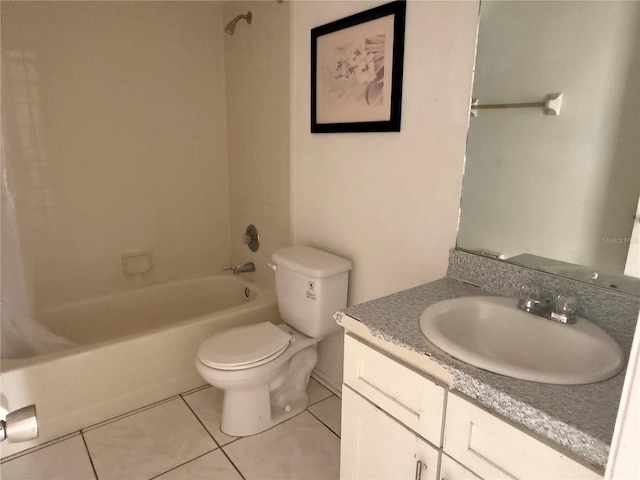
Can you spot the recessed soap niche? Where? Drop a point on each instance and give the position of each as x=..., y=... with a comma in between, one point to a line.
x=137, y=263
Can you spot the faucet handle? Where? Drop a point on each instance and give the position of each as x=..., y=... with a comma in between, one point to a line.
x=565, y=309
x=529, y=297
x=529, y=292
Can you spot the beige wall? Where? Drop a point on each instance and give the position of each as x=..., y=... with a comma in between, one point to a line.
x=257, y=66
x=388, y=201
x=114, y=131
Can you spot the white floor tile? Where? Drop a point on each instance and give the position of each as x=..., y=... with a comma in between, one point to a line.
x=317, y=391
x=300, y=448
x=328, y=412
x=214, y=465
x=207, y=405
x=167, y=442
x=65, y=460
x=148, y=443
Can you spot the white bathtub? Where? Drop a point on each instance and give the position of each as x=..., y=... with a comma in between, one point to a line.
x=133, y=349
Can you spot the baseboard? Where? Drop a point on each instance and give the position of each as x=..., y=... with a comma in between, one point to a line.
x=325, y=382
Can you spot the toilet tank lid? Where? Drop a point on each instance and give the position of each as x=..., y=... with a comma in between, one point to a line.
x=310, y=261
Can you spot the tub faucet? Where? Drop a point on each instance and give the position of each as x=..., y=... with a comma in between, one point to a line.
x=563, y=309
x=247, y=267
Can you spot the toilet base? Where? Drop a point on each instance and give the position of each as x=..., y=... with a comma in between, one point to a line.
x=244, y=419
x=253, y=410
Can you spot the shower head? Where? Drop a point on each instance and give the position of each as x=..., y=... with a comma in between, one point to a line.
x=231, y=26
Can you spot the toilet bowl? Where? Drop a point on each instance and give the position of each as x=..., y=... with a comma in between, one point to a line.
x=264, y=379
x=264, y=368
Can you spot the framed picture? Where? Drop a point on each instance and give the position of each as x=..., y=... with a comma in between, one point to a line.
x=356, y=72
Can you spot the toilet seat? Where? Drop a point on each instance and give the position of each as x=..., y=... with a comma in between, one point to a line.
x=244, y=347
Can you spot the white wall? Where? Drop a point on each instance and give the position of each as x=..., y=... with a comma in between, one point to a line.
x=114, y=127
x=387, y=201
x=555, y=187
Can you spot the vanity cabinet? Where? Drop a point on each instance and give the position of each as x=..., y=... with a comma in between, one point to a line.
x=391, y=418
x=394, y=426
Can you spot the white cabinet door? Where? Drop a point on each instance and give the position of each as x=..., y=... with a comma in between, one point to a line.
x=375, y=446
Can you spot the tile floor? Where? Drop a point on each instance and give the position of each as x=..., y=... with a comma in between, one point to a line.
x=180, y=439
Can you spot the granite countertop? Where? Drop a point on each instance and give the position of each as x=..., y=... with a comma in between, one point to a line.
x=578, y=418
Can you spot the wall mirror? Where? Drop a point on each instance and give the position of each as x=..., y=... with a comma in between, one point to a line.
x=557, y=193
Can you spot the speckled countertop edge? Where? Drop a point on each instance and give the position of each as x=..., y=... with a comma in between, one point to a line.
x=579, y=418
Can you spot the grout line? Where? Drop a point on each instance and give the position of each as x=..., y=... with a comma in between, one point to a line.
x=220, y=447
x=331, y=394
x=197, y=389
x=84, y=440
x=130, y=413
x=39, y=447
x=321, y=400
x=235, y=439
x=231, y=461
x=316, y=417
x=322, y=385
x=201, y=423
x=326, y=384
x=184, y=463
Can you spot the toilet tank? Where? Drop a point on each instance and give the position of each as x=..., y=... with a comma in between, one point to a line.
x=311, y=285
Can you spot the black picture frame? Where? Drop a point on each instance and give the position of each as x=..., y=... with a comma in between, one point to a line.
x=351, y=87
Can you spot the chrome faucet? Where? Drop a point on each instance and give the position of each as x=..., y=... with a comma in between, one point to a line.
x=563, y=309
x=247, y=267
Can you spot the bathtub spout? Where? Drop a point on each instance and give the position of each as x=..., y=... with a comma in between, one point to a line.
x=247, y=267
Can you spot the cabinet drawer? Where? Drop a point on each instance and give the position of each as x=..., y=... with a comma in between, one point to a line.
x=493, y=448
x=452, y=470
x=403, y=393
x=375, y=446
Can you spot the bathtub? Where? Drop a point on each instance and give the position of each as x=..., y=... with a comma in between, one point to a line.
x=132, y=349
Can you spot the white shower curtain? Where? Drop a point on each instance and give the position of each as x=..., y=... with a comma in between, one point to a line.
x=20, y=335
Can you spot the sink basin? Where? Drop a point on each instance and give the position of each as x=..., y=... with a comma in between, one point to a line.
x=493, y=334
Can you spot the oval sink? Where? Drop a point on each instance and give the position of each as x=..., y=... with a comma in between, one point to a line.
x=493, y=334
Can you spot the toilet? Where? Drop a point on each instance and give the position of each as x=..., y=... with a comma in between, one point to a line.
x=264, y=368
